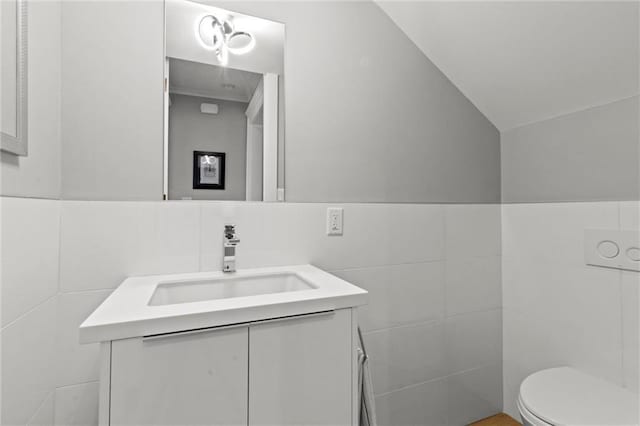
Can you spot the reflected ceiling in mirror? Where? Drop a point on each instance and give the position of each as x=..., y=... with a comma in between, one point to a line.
x=197, y=79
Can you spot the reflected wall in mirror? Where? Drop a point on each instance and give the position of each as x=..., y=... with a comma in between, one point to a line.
x=222, y=76
x=13, y=84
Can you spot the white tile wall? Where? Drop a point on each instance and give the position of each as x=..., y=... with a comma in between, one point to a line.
x=419, y=262
x=552, y=232
x=472, y=231
x=44, y=416
x=473, y=285
x=474, y=394
x=375, y=234
x=101, y=243
x=30, y=236
x=558, y=311
x=73, y=309
x=400, y=253
x=421, y=404
x=77, y=405
x=630, y=329
x=630, y=219
x=473, y=340
x=28, y=363
x=433, y=272
x=406, y=355
x=393, y=290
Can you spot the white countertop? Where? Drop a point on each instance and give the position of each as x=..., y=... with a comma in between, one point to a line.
x=126, y=312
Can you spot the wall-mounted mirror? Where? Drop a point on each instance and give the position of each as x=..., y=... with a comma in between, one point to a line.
x=13, y=84
x=223, y=86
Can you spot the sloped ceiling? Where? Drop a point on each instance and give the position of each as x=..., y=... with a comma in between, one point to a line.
x=522, y=62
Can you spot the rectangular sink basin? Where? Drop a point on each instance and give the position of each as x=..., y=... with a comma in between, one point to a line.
x=171, y=293
x=159, y=304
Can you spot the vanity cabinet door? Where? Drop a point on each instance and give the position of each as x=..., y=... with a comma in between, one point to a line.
x=181, y=379
x=301, y=371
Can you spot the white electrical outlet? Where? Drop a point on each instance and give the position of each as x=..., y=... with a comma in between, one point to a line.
x=334, y=221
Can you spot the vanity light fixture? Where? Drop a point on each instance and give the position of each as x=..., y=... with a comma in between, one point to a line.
x=220, y=36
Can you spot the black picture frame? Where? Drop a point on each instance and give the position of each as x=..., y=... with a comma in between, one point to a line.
x=199, y=181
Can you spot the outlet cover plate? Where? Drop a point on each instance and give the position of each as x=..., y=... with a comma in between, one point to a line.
x=335, y=217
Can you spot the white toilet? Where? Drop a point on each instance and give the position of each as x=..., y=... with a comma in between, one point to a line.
x=567, y=397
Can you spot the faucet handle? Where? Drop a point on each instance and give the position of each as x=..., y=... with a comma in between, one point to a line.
x=230, y=234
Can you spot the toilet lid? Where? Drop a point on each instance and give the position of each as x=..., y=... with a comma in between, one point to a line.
x=567, y=397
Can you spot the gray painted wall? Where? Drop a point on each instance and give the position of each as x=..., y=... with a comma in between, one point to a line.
x=112, y=113
x=368, y=116
x=590, y=155
x=38, y=174
x=190, y=130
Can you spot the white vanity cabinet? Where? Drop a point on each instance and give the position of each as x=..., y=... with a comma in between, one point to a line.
x=264, y=346
x=284, y=371
x=180, y=379
x=301, y=371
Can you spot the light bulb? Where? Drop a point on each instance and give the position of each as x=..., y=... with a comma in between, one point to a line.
x=240, y=43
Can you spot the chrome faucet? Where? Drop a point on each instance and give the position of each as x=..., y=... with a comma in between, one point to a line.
x=230, y=243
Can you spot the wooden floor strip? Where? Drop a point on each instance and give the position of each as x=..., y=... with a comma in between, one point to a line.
x=497, y=420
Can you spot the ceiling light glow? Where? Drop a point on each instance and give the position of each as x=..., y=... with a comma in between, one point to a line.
x=219, y=35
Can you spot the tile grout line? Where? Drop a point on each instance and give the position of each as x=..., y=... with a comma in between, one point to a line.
x=58, y=293
x=621, y=310
x=569, y=113
x=58, y=244
x=92, y=290
x=25, y=197
x=401, y=326
x=59, y=274
x=37, y=410
x=475, y=311
x=442, y=319
x=446, y=376
x=24, y=314
x=88, y=382
x=419, y=262
x=445, y=338
x=622, y=329
x=386, y=265
x=503, y=383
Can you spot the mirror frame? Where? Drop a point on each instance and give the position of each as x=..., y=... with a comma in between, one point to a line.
x=18, y=144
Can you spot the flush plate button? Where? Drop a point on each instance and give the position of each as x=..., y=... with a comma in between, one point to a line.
x=608, y=249
x=633, y=253
x=612, y=248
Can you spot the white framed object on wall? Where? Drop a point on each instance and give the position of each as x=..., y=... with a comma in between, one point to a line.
x=14, y=70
